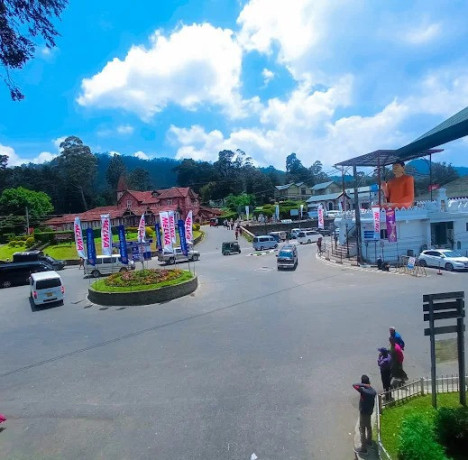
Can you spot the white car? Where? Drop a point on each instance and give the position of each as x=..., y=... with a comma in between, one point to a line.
x=46, y=287
x=443, y=258
x=294, y=232
x=308, y=236
x=176, y=255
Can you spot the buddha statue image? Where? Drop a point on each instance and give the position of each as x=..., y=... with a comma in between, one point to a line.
x=399, y=191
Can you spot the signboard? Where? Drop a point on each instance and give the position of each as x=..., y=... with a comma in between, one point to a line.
x=411, y=262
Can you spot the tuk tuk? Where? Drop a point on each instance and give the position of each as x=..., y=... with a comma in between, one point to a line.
x=231, y=247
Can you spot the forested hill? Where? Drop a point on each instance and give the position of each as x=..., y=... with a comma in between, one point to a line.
x=160, y=170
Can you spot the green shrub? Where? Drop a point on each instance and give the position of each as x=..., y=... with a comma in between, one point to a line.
x=149, y=232
x=12, y=243
x=196, y=227
x=131, y=229
x=417, y=440
x=30, y=242
x=451, y=427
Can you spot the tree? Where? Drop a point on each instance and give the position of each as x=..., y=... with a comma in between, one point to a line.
x=115, y=169
x=20, y=23
x=295, y=170
x=77, y=167
x=139, y=179
x=3, y=161
x=16, y=200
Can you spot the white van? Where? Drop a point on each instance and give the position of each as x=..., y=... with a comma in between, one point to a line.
x=46, y=287
x=264, y=242
x=308, y=236
x=105, y=265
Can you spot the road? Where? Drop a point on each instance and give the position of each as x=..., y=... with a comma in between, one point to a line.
x=255, y=361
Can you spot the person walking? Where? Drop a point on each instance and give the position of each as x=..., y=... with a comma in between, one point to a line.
x=81, y=263
x=398, y=339
x=319, y=245
x=366, y=407
x=385, y=364
x=397, y=361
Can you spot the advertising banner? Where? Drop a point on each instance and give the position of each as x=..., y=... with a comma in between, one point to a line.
x=141, y=229
x=277, y=213
x=172, y=225
x=123, y=245
x=321, y=223
x=302, y=210
x=159, y=245
x=183, y=241
x=391, y=226
x=79, y=239
x=106, y=235
x=247, y=212
x=164, y=219
x=376, y=217
x=91, y=246
x=188, y=228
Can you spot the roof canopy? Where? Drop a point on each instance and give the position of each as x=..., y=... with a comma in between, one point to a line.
x=451, y=129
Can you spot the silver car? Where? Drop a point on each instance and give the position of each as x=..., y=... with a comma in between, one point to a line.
x=287, y=257
x=176, y=255
x=443, y=258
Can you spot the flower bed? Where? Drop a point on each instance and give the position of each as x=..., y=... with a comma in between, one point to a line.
x=146, y=277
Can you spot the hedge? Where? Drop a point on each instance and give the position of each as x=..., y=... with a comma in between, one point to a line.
x=451, y=427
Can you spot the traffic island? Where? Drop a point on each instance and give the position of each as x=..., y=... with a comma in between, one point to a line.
x=142, y=287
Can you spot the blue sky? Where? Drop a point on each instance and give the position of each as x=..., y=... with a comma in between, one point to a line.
x=326, y=79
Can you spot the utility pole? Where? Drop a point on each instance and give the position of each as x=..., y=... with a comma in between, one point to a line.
x=27, y=221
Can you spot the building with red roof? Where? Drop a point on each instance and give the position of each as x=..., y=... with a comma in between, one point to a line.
x=131, y=204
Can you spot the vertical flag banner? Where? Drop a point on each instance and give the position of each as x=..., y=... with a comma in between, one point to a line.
x=391, y=226
x=183, y=241
x=188, y=228
x=376, y=216
x=164, y=219
x=91, y=246
x=79, y=239
x=106, y=235
x=247, y=212
x=141, y=229
x=172, y=225
x=123, y=245
x=302, y=210
x=277, y=212
x=321, y=223
x=159, y=245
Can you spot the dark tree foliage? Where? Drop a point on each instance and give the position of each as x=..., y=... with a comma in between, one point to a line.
x=139, y=179
x=21, y=22
x=115, y=169
x=3, y=161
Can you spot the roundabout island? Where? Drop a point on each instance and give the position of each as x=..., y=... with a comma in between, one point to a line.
x=142, y=287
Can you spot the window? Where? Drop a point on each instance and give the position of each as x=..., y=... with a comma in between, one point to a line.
x=467, y=226
x=129, y=204
x=169, y=201
x=50, y=283
x=383, y=234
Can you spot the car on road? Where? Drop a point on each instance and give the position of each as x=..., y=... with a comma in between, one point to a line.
x=105, y=265
x=46, y=288
x=287, y=257
x=294, y=232
x=308, y=236
x=443, y=258
x=176, y=255
x=35, y=255
x=18, y=273
x=279, y=236
x=262, y=242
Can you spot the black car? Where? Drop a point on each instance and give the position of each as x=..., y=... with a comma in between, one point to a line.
x=18, y=273
x=38, y=256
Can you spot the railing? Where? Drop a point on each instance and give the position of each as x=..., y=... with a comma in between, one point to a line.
x=403, y=393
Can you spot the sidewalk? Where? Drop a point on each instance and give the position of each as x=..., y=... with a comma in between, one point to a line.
x=372, y=451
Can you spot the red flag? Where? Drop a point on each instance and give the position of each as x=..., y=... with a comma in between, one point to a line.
x=433, y=187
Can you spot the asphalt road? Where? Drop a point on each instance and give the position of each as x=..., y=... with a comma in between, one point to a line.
x=256, y=361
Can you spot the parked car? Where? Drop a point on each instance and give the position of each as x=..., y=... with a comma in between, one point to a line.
x=176, y=255
x=18, y=273
x=262, y=242
x=308, y=236
x=35, y=255
x=294, y=232
x=46, y=287
x=443, y=258
x=287, y=257
x=105, y=265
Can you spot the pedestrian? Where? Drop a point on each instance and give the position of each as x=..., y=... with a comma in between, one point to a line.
x=385, y=364
x=397, y=361
x=237, y=233
x=319, y=245
x=398, y=339
x=366, y=407
x=2, y=419
x=81, y=263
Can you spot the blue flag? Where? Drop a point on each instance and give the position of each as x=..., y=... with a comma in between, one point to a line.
x=91, y=246
x=183, y=241
x=158, y=237
x=123, y=245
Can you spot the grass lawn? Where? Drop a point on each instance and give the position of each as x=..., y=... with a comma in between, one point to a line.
x=102, y=287
x=6, y=252
x=392, y=417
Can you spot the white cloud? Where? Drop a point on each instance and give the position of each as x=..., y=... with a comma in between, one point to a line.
x=125, y=129
x=58, y=141
x=267, y=76
x=15, y=160
x=422, y=35
x=195, y=65
x=113, y=152
x=141, y=155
